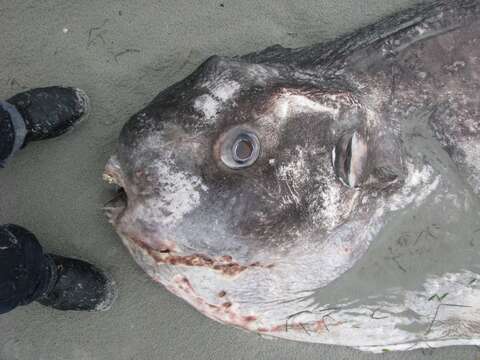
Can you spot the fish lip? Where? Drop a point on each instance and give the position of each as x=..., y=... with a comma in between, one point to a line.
x=119, y=200
x=113, y=176
x=114, y=207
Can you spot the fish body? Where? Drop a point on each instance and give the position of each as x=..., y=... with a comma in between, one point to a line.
x=254, y=186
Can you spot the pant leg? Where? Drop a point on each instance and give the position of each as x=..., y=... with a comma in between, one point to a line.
x=12, y=132
x=7, y=136
x=25, y=272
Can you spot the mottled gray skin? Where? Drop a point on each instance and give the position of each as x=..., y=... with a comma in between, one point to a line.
x=293, y=222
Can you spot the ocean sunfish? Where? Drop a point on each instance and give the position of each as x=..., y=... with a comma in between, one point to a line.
x=258, y=184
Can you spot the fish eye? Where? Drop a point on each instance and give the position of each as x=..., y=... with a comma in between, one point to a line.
x=240, y=149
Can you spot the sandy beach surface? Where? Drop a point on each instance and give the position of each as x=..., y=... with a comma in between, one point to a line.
x=122, y=53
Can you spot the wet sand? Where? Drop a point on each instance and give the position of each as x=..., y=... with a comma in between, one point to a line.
x=122, y=53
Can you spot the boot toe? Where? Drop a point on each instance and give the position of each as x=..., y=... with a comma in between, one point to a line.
x=52, y=111
x=80, y=286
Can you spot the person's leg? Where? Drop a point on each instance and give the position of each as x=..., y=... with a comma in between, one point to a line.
x=27, y=274
x=12, y=131
x=7, y=137
x=38, y=114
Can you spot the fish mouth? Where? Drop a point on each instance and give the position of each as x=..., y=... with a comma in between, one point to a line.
x=118, y=203
x=349, y=159
x=115, y=207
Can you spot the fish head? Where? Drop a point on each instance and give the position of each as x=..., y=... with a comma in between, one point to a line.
x=248, y=161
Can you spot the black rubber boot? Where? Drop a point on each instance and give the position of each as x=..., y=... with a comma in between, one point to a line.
x=78, y=285
x=51, y=111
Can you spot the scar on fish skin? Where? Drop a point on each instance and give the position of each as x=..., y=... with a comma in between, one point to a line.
x=319, y=312
x=225, y=264
x=394, y=258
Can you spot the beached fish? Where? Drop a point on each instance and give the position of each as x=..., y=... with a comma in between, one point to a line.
x=259, y=184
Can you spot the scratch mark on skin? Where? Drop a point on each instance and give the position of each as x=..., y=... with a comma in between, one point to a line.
x=329, y=317
x=294, y=195
x=418, y=238
x=305, y=329
x=395, y=260
x=377, y=317
x=428, y=231
x=290, y=317
x=439, y=298
x=436, y=314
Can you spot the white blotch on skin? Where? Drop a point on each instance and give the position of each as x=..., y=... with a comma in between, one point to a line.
x=223, y=91
x=289, y=104
x=421, y=29
x=296, y=169
x=179, y=194
x=294, y=174
x=328, y=206
x=330, y=210
x=471, y=149
x=418, y=185
x=211, y=104
x=261, y=74
x=208, y=106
